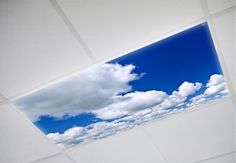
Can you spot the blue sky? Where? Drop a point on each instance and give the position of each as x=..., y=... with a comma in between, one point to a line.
x=186, y=56
x=173, y=70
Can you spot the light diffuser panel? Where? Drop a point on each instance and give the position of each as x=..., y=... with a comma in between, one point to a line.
x=169, y=76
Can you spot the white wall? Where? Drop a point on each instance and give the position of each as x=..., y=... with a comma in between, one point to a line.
x=42, y=41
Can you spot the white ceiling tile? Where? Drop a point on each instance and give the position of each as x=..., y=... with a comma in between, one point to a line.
x=36, y=46
x=196, y=135
x=111, y=27
x=225, y=33
x=20, y=141
x=228, y=158
x=56, y=159
x=126, y=147
x=219, y=5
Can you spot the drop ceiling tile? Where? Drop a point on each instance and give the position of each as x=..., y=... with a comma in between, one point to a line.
x=196, y=135
x=225, y=33
x=36, y=46
x=56, y=159
x=110, y=28
x=219, y=5
x=130, y=146
x=228, y=158
x=20, y=141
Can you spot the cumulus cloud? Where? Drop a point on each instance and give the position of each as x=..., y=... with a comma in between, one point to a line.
x=215, y=88
x=91, y=132
x=67, y=135
x=216, y=84
x=145, y=115
x=215, y=79
x=85, y=92
x=196, y=100
x=135, y=101
x=179, y=96
x=131, y=102
x=188, y=88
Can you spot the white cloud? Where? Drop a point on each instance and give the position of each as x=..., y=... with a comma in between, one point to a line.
x=179, y=96
x=88, y=91
x=215, y=79
x=67, y=135
x=225, y=91
x=173, y=100
x=196, y=100
x=131, y=102
x=145, y=115
x=91, y=132
x=188, y=88
x=108, y=113
x=137, y=115
x=215, y=89
x=216, y=84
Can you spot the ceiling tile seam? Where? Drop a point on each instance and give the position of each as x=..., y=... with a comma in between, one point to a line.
x=156, y=38
x=71, y=28
x=154, y=144
x=223, y=12
x=68, y=156
x=45, y=158
x=39, y=132
x=209, y=19
x=215, y=157
x=199, y=108
x=62, y=153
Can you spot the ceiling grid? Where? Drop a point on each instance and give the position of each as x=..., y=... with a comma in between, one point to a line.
x=207, y=16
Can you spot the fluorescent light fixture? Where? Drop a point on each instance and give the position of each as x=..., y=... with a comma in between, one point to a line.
x=172, y=75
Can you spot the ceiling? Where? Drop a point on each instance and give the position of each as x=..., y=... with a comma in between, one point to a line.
x=43, y=41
